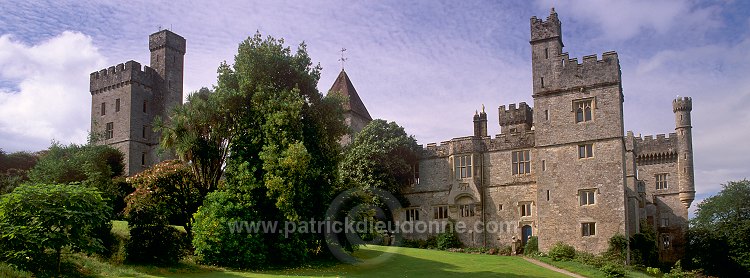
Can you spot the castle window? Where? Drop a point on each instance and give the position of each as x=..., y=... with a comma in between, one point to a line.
x=544, y=165
x=661, y=181
x=664, y=220
x=547, y=195
x=144, y=106
x=666, y=242
x=109, y=131
x=145, y=129
x=546, y=115
x=463, y=166
x=585, y=150
x=525, y=209
x=440, y=212
x=500, y=207
x=588, y=229
x=467, y=210
x=546, y=53
x=541, y=79
x=412, y=214
x=143, y=159
x=521, y=162
x=117, y=105
x=415, y=170
x=587, y=197
x=583, y=110
x=104, y=108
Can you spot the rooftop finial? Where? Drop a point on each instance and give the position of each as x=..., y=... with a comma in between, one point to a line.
x=482, y=107
x=342, y=59
x=552, y=11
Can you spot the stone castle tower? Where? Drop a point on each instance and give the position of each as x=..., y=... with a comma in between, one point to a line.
x=125, y=100
x=564, y=170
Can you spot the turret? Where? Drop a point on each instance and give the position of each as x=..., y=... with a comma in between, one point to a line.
x=685, y=174
x=515, y=119
x=480, y=124
x=546, y=47
x=167, y=59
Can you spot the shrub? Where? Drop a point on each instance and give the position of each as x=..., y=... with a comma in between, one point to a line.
x=562, y=252
x=612, y=270
x=618, y=245
x=532, y=246
x=220, y=238
x=505, y=250
x=448, y=239
x=8, y=271
x=654, y=271
x=590, y=259
x=156, y=244
x=37, y=218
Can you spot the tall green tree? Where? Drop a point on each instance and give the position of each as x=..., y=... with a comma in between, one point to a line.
x=283, y=157
x=382, y=155
x=719, y=237
x=14, y=169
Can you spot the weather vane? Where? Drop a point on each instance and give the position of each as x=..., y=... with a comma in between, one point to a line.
x=342, y=58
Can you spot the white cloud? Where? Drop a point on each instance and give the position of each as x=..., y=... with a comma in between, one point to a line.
x=51, y=99
x=621, y=20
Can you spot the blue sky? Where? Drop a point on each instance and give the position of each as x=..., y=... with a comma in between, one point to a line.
x=428, y=65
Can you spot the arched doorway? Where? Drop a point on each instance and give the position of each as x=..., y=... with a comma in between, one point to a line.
x=525, y=233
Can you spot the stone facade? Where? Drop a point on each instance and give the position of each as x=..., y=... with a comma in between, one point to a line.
x=586, y=179
x=125, y=100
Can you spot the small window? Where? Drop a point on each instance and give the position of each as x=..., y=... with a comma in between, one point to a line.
x=546, y=115
x=588, y=229
x=144, y=132
x=144, y=106
x=104, y=109
x=544, y=165
x=467, y=210
x=585, y=150
x=117, y=105
x=587, y=197
x=500, y=207
x=143, y=159
x=109, y=131
x=547, y=195
x=520, y=162
x=666, y=242
x=463, y=166
x=661, y=181
x=525, y=209
x=541, y=79
x=415, y=170
x=440, y=212
x=546, y=53
x=664, y=221
x=412, y=214
x=583, y=109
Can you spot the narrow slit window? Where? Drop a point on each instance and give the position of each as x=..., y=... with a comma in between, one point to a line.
x=117, y=105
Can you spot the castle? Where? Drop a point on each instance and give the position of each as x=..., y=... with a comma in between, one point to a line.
x=564, y=170
x=125, y=100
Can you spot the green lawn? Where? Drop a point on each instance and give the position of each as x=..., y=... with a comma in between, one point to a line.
x=402, y=262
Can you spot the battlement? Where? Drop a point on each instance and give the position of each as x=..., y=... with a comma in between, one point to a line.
x=661, y=149
x=129, y=72
x=682, y=104
x=166, y=38
x=468, y=144
x=592, y=72
x=546, y=29
x=523, y=114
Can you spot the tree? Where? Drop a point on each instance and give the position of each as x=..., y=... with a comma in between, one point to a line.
x=718, y=240
x=37, y=218
x=200, y=132
x=382, y=155
x=283, y=155
x=14, y=169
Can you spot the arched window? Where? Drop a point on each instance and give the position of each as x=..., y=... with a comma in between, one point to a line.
x=579, y=115
x=584, y=113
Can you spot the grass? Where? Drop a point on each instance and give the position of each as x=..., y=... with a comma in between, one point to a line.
x=587, y=270
x=400, y=262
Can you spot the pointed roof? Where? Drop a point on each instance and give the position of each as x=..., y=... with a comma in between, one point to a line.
x=344, y=86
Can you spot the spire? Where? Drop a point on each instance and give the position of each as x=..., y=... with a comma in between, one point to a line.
x=344, y=86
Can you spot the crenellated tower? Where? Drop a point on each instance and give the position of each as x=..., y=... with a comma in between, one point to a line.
x=515, y=119
x=126, y=99
x=686, y=177
x=546, y=46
